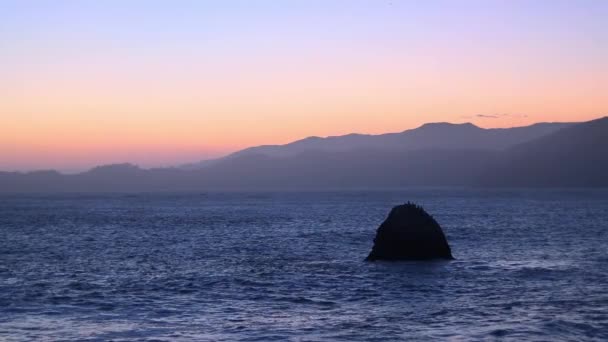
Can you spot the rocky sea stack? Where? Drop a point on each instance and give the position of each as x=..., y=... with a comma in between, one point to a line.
x=409, y=233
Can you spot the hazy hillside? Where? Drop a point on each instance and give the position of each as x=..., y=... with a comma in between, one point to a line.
x=361, y=168
x=428, y=136
x=575, y=155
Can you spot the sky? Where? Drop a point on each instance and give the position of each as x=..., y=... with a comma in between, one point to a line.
x=160, y=83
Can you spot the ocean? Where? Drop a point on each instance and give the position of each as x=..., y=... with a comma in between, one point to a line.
x=530, y=265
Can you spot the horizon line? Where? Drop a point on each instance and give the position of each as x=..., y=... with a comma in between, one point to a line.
x=186, y=163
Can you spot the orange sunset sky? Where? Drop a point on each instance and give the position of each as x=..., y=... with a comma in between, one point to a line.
x=84, y=83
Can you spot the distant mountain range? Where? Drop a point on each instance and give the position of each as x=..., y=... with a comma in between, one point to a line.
x=437, y=154
x=428, y=136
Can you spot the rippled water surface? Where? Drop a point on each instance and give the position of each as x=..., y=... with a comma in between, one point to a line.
x=531, y=265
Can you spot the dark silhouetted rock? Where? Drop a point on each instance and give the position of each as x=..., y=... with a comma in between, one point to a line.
x=409, y=233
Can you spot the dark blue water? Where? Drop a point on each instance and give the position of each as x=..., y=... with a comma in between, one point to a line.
x=531, y=265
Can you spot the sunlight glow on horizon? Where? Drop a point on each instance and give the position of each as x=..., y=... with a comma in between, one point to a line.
x=159, y=84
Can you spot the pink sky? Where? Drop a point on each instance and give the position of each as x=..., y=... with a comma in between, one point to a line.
x=81, y=87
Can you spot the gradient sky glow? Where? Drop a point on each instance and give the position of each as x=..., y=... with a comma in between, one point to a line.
x=156, y=83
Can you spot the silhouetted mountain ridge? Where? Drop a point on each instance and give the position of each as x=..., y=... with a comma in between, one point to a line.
x=440, y=135
x=577, y=156
x=561, y=155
